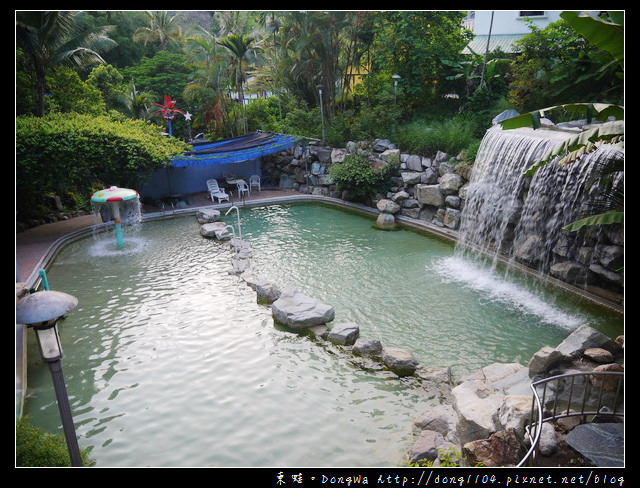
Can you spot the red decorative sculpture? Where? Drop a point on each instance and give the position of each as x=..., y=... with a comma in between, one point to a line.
x=168, y=109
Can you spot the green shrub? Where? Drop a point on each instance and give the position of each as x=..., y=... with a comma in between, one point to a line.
x=359, y=179
x=38, y=448
x=62, y=153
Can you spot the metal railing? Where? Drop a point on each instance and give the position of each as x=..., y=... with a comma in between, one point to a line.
x=586, y=394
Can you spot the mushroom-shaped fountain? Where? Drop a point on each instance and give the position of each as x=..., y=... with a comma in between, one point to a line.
x=114, y=196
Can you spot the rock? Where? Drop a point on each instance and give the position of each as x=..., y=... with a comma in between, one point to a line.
x=239, y=265
x=411, y=177
x=385, y=221
x=517, y=383
x=599, y=355
x=389, y=154
x=388, y=206
x=414, y=162
x=345, y=334
x=568, y=423
x=338, y=155
x=442, y=375
x=608, y=382
x=297, y=310
x=215, y=230
x=400, y=361
x=569, y=272
x=501, y=449
x=602, y=444
x=207, y=215
x=477, y=405
x=267, y=292
x=585, y=337
x=451, y=183
x=381, y=145
x=367, y=347
x=320, y=331
x=240, y=247
x=426, y=446
x=429, y=195
x=514, y=412
x=400, y=196
x=441, y=419
x=544, y=359
x=548, y=443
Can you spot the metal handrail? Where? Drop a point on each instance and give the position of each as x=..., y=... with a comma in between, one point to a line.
x=585, y=409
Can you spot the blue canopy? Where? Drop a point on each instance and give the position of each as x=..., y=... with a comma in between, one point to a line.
x=242, y=148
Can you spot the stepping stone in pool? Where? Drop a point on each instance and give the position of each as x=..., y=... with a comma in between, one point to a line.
x=298, y=311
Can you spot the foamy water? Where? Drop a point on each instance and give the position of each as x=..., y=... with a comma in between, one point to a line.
x=495, y=288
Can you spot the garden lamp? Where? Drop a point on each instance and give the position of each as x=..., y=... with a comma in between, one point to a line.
x=41, y=311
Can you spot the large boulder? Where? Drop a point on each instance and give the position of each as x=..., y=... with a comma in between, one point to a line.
x=477, y=405
x=298, y=311
x=583, y=338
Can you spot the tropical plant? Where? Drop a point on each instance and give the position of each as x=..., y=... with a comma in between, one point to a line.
x=109, y=81
x=241, y=47
x=412, y=44
x=560, y=64
x=162, y=28
x=134, y=103
x=474, y=71
x=607, y=34
x=53, y=38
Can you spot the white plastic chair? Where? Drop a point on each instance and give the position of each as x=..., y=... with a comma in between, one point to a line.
x=216, y=192
x=254, y=180
x=243, y=188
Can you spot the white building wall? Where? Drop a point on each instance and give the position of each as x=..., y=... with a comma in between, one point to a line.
x=510, y=21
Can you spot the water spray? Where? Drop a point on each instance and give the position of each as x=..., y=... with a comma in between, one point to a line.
x=113, y=196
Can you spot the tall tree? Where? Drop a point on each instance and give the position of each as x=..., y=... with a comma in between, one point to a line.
x=51, y=38
x=205, y=89
x=162, y=28
x=412, y=44
x=240, y=46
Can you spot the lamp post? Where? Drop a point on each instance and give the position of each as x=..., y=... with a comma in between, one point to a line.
x=395, y=87
x=319, y=87
x=41, y=311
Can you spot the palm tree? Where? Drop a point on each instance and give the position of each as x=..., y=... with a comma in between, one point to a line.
x=163, y=27
x=51, y=38
x=135, y=103
x=205, y=88
x=239, y=45
x=313, y=43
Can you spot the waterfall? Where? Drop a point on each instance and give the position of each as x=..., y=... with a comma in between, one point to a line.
x=508, y=216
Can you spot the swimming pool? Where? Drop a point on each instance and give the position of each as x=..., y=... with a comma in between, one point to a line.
x=170, y=360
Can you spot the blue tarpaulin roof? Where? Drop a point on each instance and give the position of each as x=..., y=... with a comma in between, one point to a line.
x=242, y=148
